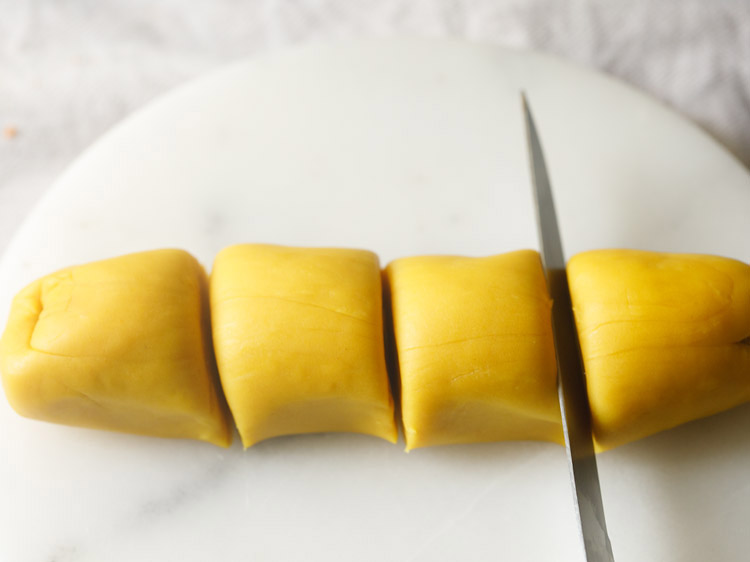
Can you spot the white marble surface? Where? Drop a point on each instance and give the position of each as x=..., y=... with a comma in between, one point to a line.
x=70, y=70
x=405, y=148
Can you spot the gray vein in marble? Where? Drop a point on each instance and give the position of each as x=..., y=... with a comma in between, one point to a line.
x=182, y=495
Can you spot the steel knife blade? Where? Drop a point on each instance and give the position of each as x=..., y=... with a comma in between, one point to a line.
x=571, y=384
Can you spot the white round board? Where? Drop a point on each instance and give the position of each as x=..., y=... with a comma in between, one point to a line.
x=403, y=147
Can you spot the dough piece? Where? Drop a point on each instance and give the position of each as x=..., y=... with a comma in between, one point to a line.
x=121, y=344
x=298, y=334
x=475, y=349
x=665, y=338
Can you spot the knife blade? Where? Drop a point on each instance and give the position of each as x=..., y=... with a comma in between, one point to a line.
x=571, y=384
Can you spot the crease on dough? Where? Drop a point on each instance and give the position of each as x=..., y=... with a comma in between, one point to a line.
x=727, y=345
x=475, y=338
x=292, y=301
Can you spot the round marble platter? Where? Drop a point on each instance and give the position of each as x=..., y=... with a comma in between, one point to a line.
x=403, y=147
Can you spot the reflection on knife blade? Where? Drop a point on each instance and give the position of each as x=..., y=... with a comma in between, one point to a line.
x=574, y=405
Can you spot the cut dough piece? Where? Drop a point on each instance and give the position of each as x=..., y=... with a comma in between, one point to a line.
x=475, y=349
x=664, y=337
x=122, y=344
x=298, y=334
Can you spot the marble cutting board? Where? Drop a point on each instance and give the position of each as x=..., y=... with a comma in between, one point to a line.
x=403, y=147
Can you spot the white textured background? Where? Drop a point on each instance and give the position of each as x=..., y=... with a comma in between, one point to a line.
x=70, y=69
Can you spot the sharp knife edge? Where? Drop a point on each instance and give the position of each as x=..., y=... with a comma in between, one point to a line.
x=574, y=406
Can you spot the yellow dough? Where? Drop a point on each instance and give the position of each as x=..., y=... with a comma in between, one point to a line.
x=298, y=335
x=475, y=349
x=121, y=344
x=664, y=337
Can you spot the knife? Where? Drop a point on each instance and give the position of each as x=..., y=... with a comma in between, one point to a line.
x=571, y=385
